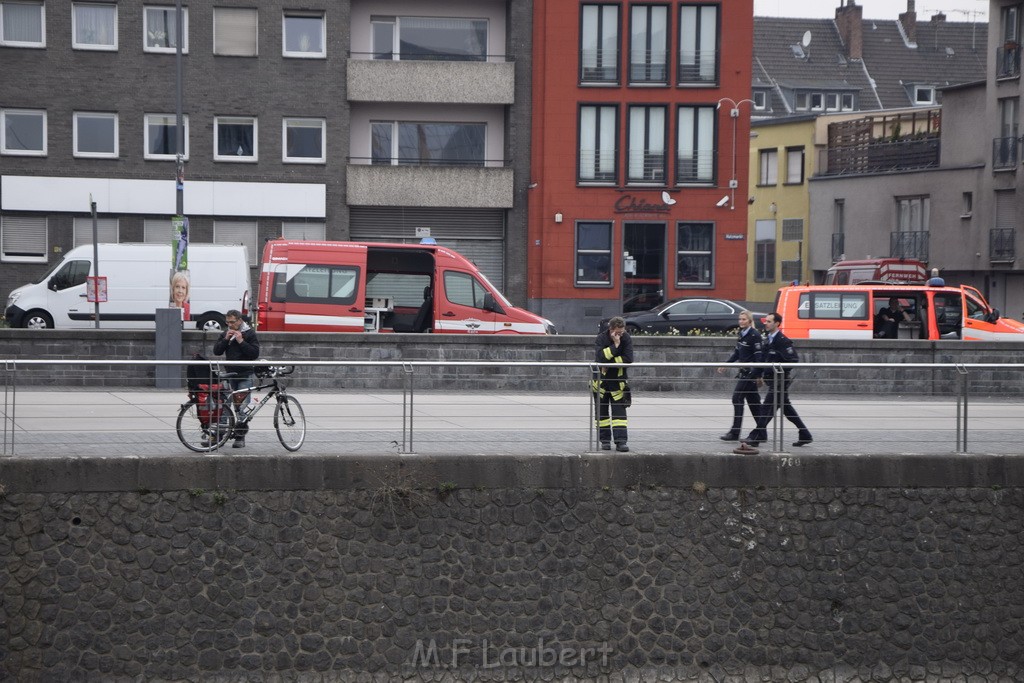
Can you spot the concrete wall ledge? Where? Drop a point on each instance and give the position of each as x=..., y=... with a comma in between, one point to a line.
x=589, y=471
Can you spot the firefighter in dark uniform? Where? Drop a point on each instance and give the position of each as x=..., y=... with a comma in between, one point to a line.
x=778, y=348
x=748, y=350
x=610, y=384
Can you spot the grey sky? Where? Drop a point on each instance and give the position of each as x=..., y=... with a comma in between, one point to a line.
x=955, y=10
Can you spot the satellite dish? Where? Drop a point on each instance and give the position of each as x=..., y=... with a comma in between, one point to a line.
x=806, y=40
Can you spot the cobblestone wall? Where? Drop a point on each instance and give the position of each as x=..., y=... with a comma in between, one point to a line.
x=445, y=583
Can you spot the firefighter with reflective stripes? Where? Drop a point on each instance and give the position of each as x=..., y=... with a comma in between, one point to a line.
x=610, y=384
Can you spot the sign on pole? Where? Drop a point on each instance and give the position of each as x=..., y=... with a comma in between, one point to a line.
x=180, y=282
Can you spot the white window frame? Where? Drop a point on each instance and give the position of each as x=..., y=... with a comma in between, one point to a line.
x=846, y=102
x=794, y=166
x=4, y=149
x=25, y=43
x=219, y=15
x=218, y=120
x=101, y=47
x=918, y=90
x=81, y=232
x=760, y=98
x=239, y=232
x=304, y=230
x=308, y=54
x=146, y=47
x=34, y=226
x=96, y=155
x=145, y=136
x=831, y=101
x=299, y=122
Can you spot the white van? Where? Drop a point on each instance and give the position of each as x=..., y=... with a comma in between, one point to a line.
x=138, y=283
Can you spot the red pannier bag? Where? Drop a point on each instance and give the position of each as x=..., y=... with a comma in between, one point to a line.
x=209, y=402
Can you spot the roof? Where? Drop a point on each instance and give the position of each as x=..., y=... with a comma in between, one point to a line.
x=946, y=53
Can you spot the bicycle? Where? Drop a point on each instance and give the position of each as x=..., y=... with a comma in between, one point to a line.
x=210, y=417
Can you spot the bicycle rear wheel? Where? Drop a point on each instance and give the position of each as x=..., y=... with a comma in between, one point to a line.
x=290, y=422
x=200, y=438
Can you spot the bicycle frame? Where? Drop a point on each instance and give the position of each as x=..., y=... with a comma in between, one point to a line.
x=275, y=389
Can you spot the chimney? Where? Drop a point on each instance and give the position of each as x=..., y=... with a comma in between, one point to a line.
x=850, y=22
x=908, y=20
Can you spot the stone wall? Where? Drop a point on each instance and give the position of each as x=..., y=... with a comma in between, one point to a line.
x=396, y=348
x=434, y=569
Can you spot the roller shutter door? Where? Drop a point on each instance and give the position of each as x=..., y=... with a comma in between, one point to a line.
x=477, y=234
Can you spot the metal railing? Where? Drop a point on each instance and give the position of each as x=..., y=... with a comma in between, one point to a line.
x=53, y=408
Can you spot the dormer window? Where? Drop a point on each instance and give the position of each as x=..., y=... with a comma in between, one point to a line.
x=760, y=98
x=924, y=95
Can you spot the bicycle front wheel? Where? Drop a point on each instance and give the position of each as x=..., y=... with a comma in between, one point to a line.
x=199, y=435
x=290, y=422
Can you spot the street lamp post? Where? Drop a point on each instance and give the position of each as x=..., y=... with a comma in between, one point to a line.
x=179, y=170
x=734, y=113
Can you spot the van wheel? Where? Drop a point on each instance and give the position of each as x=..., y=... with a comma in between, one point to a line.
x=212, y=322
x=38, y=320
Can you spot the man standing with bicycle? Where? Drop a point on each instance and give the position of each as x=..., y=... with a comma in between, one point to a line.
x=238, y=343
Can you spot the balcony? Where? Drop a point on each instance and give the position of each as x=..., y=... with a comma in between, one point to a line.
x=439, y=82
x=699, y=68
x=880, y=144
x=911, y=245
x=1008, y=61
x=647, y=67
x=1005, y=153
x=1001, y=245
x=428, y=185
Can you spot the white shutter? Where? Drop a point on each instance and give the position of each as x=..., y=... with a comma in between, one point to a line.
x=301, y=230
x=237, y=232
x=157, y=230
x=23, y=238
x=106, y=231
x=234, y=31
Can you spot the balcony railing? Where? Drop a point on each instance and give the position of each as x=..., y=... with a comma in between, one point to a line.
x=696, y=167
x=876, y=156
x=838, y=246
x=912, y=245
x=646, y=167
x=698, y=67
x=1001, y=245
x=1008, y=61
x=1005, y=153
x=646, y=66
x=599, y=66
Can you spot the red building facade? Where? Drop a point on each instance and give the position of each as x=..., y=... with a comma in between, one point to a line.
x=641, y=123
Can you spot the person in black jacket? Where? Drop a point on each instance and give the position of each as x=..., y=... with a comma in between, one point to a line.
x=610, y=384
x=748, y=350
x=778, y=348
x=239, y=343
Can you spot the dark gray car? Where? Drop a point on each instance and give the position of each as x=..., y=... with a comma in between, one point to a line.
x=684, y=315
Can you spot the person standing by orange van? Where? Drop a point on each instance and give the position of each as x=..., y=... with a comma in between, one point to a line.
x=748, y=350
x=778, y=348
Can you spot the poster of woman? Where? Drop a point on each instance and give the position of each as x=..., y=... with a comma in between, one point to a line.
x=180, y=292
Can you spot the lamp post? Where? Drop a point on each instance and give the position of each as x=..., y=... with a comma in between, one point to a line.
x=734, y=113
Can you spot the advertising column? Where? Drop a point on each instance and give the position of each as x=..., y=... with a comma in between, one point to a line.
x=181, y=284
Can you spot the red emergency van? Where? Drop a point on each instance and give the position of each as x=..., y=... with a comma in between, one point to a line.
x=311, y=286
x=932, y=312
x=894, y=270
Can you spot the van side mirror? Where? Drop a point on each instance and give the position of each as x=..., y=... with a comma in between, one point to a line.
x=993, y=316
x=491, y=305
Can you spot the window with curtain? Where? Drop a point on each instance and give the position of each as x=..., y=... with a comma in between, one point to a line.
x=23, y=239
x=94, y=26
x=695, y=163
x=235, y=138
x=594, y=253
x=304, y=34
x=23, y=132
x=304, y=141
x=22, y=24
x=794, y=165
x=160, y=27
x=161, y=136
x=428, y=143
x=442, y=38
x=698, y=44
x=694, y=255
x=106, y=231
x=598, y=132
x=599, y=44
x=648, y=44
x=235, y=32
x=95, y=135
x=769, y=162
x=646, y=145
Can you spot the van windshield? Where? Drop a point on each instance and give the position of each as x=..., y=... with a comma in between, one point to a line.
x=48, y=274
x=497, y=294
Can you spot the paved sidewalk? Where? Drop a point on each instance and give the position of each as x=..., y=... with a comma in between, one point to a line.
x=71, y=422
